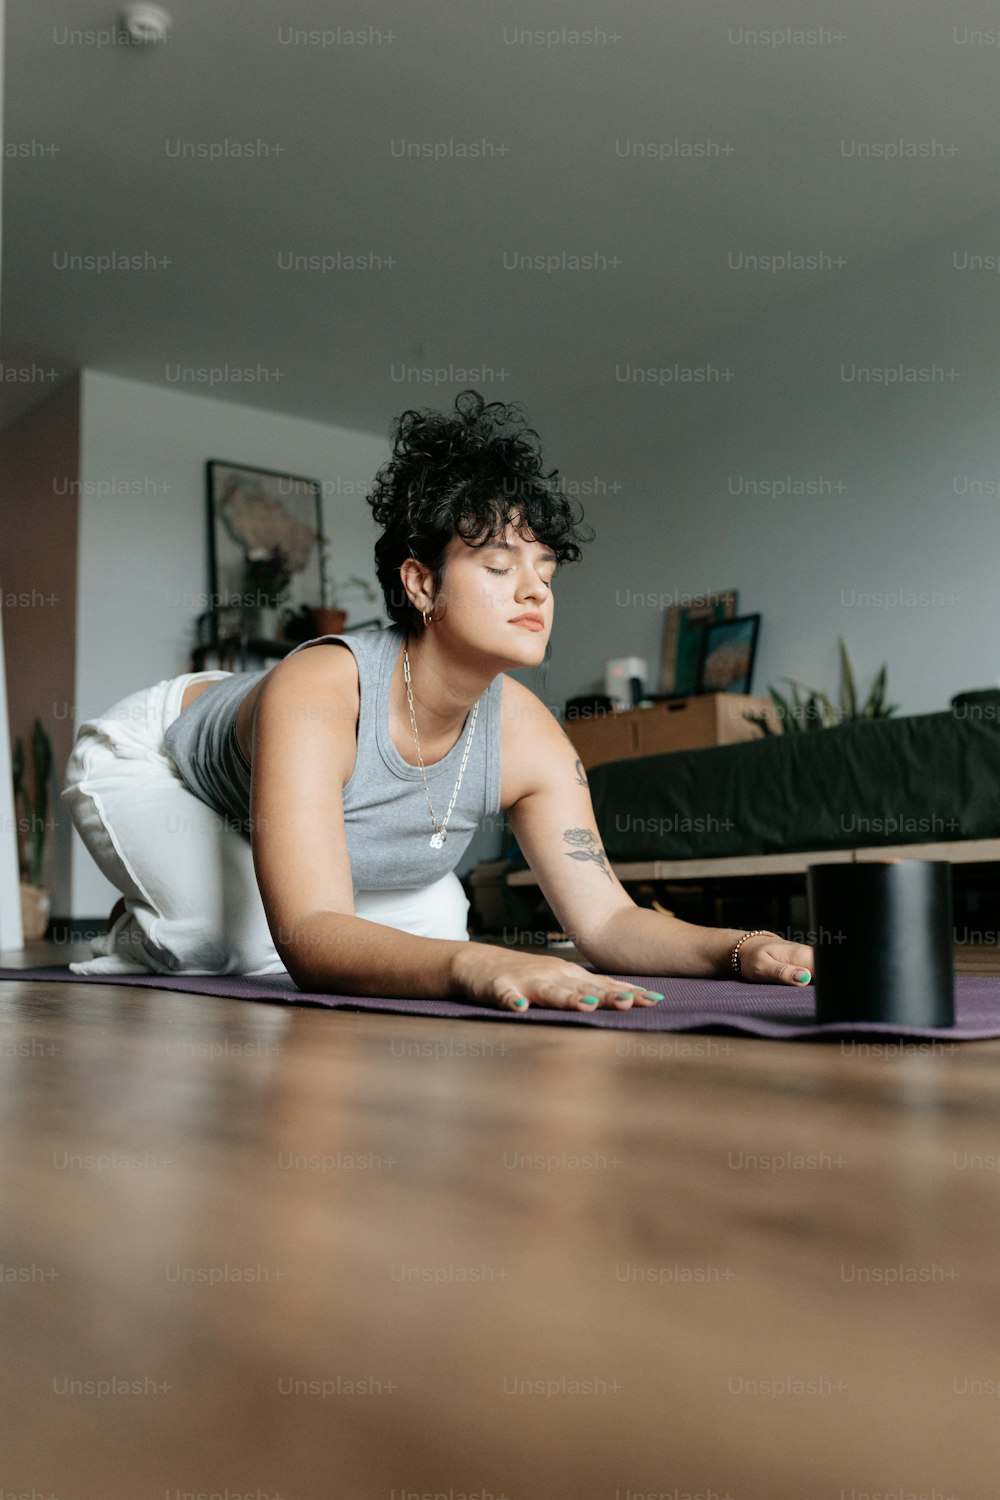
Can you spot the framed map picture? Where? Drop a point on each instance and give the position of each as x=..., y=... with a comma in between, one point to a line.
x=682, y=637
x=265, y=537
x=728, y=648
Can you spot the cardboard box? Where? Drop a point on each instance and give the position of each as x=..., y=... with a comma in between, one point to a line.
x=683, y=724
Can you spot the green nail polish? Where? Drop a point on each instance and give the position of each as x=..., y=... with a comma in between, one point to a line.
x=652, y=994
x=590, y=999
x=521, y=1004
x=802, y=976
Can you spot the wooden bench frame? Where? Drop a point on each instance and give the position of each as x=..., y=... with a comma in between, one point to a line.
x=956, y=851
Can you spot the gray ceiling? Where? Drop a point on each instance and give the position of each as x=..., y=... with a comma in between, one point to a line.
x=231, y=74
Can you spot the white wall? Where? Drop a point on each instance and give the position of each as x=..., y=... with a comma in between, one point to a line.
x=143, y=566
x=898, y=528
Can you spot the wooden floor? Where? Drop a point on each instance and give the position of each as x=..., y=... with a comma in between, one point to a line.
x=251, y=1249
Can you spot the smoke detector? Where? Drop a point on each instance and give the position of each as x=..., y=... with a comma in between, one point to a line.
x=145, y=22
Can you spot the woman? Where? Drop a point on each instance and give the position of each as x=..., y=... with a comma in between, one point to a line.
x=308, y=818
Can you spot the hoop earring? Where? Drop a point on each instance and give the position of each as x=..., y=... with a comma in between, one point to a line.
x=428, y=616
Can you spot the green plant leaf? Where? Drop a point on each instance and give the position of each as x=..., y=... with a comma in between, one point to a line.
x=848, y=689
x=762, y=721
x=807, y=708
x=42, y=748
x=800, y=703
x=818, y=711
x=784, y=712
x=36, y=806
x=874, y=708
x=17, y=765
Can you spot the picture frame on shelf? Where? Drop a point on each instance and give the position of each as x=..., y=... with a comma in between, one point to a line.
x=728, y=649
x=265, y=539
x=682, y=633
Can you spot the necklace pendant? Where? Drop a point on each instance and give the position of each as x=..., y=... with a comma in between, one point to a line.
x=437, y=839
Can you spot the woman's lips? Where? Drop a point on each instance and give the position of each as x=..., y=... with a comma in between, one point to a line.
x=528, y=624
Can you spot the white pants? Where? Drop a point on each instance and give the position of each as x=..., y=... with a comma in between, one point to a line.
x=192, y=905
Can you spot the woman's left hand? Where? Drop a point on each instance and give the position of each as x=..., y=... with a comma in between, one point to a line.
x=771, y=960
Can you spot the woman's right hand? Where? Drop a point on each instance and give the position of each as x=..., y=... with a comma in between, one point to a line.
x=500, y=977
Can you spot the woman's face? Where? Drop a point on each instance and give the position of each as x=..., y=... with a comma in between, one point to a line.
x=485, y=589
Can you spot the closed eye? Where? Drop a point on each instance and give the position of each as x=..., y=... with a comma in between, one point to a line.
x=501, y=571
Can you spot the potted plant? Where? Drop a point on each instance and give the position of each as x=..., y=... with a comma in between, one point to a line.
x=267, y=577
x=36, y=902
x=331, y=616
x=818, y=712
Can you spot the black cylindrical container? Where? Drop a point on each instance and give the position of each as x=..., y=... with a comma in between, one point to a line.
x=883, y=941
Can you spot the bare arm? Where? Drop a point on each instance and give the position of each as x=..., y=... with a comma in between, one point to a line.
x=555, y=826
x=334, y=953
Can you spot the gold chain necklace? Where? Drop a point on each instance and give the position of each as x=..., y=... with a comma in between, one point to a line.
x=440, y=829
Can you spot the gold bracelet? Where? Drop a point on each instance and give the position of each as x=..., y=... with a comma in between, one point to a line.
x=734, y=957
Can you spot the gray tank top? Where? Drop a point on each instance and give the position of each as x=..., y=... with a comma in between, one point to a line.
x=387, y=821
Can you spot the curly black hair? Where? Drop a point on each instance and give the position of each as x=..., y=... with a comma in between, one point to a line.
x=468, y=475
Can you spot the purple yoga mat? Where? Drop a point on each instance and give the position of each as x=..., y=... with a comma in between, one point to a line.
x=773, y=1011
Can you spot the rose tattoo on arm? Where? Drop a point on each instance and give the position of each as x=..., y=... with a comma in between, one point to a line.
x=585, y=846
